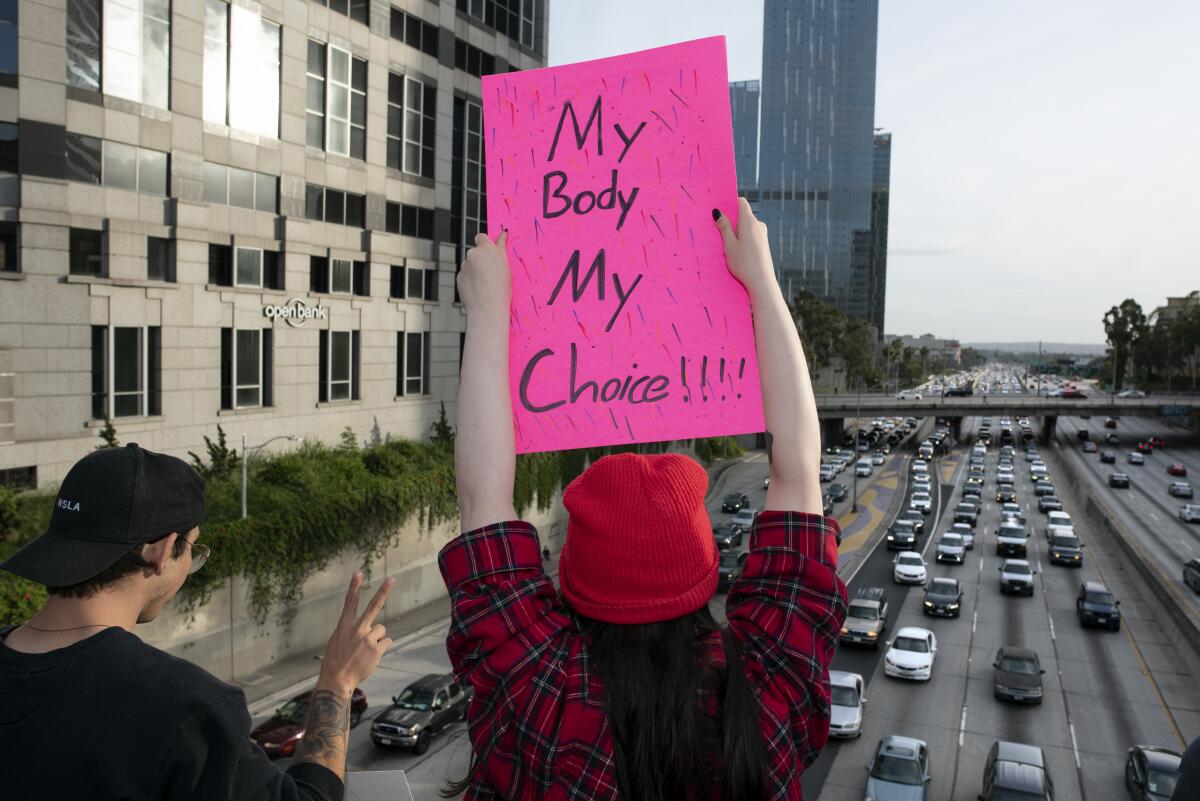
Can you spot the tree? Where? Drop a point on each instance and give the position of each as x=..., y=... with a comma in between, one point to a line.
x=1123, y=327
x=821, y=327
x=108, y=434
x=222, y=460
x=348, y=441
x=443, y=433
x=857, y=351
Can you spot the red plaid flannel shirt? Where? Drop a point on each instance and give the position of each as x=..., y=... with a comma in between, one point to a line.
x=537, y=711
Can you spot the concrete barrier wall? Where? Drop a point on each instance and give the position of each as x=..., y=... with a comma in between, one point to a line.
x=225, y=640
x=1164, y=588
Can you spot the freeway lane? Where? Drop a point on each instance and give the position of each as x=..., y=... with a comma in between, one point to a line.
x=1102, y=692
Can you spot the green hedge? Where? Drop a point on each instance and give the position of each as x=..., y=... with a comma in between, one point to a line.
x=309, y=505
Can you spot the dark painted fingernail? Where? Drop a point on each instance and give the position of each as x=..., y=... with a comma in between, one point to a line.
x=716, y=214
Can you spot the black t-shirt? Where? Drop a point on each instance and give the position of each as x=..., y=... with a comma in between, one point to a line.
x=111, y=717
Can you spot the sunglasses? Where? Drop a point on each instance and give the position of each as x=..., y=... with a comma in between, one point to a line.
x=200, y=554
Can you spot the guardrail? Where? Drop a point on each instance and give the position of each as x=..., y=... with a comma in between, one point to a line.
x=1019, y=405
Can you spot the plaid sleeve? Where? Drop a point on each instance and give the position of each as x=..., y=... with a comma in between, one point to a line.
x=786, y=610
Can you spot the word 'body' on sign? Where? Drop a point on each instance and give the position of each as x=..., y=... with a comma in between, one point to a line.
x=626, y=323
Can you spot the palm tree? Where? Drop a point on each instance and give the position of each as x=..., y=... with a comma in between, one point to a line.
x=1124, y=325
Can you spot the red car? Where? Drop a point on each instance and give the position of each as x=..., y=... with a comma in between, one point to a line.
x=1146, y=447
x=1073, y=393
x=1157, y=442
x=1177, y=469
x=279, y=735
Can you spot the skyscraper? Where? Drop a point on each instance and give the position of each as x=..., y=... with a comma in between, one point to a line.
x=815, y=145
x=880, y=197
x=743, y=103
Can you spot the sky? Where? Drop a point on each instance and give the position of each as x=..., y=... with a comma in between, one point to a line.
x=1044, y=155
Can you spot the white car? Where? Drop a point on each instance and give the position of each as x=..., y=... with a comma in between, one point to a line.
x=1131, y=393
x=964, y=530
x=877, y=459
x=744, y=519
x=1012, y=510
x=921, y=501
x=908, y=394
x=910, y=655
x=920, y=466
x=863, y=468
x=909, y=568
x=845, y=704
x=951, y=548
x=1016, y=575
x=1135, y=458
x=922, y=484
x=1190, y=513
x=1061, y=521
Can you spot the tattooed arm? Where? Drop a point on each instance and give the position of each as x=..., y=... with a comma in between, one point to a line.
x=327, y=732
x=793, y=433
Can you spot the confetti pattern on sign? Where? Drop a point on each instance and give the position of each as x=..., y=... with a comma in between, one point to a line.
x=597, y=170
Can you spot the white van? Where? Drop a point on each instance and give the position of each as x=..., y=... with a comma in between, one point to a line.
x=863, y=468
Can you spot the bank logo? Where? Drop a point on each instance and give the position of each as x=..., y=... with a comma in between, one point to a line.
x=296, y=312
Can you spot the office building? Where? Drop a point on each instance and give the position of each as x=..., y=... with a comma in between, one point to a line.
x=815, y=146
x=245, y=214
x=880, y=198
x=743, y=105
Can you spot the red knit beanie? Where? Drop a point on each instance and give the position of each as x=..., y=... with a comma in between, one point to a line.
x=639, y=548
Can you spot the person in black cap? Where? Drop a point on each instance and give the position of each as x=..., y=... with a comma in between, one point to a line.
x=87, y=710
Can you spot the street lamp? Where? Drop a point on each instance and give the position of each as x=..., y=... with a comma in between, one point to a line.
x=256, y=449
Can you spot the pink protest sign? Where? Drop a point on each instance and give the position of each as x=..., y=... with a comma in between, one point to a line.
x=626, y=324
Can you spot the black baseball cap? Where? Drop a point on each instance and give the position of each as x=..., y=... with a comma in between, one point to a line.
x=111, y=500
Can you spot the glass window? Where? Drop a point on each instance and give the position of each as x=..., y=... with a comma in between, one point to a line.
x=340, y=275
x=419, y=127
x=8, y=145
x=8, y=248
x=241, y=188
x=85, y=252
x=356, y=210
x=160, y=259
x=358, y=109
x=8, y=36
x=249, y=267
x=339, y=365
x=416, y=283
x=248, y=368
x=335, y=206
x=83, y=44
x=315, y=103
x=83, y=158
x=338, y=102
x=128, y=371
x=266, y=190
x=216, y=59
x=414, y=363
x=137, y=58
x=216, y=183
x=120, y=165
x=395, y=129
x=254, y=60
x=152, y=172
x=314, y=202
x=527, y=13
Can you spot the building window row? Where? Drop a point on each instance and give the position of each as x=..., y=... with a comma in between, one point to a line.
x=232, y=186
x=243, y=266
x=336, y=101
x=468, y=195
x=414, y=32
x=413, y=283
x=122, y=47
x=339, y=276
x=240, y=43
x=407, y=220
x=412, y=125
x=101, y=162
x=335, y=206
x=357, y=10
x=513, y=18
x=473, y=61
x=126, y=370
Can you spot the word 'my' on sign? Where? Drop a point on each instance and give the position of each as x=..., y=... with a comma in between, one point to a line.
x=626, y=323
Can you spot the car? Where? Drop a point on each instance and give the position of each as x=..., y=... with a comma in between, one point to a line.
x=909, y=568
x=1108, y=457
x=839, y=492
x=901, y=535
x=727, y=536
x=279, y=734
x=1005, y=478
x=911, y=654
x=1177, y=469
x=735, y=501
x=1191, y=574
x=729, y=568
x=966, y=512
x=1049, y=503
x=950, y=548
x=1043, y=487
x=826, y=504
x=908, y=394
x=899, y=770
x=1073, y=394
x=1090, y=447
x=1180, y=489
x=827, y=472
x=922, y=484
x=1012, y=510
x=1066, y=549
x=920, y=466
x=767, y=482
x=877, y=458
x=1190, y=513
x=846, y=702
x=1157, y=442
x=1118, y=480
x=1151, y=773
x=744, y=519
x=1131, y=393
x=866, y=618
x=1017, y=675
x=1006, y=495
x=921, y=501
x=1096, y=606
x=943, y=597
x=917, y=519
x=1032, y=456
x=1135, y=458
x=1016, y=771
x=972, y=491
x=862, y=468
x=1145, y=447
x=1110, y=422
x=964, y=530
x=1083, y=435
x=1016, y=575
x=1011, y=538
x=425, y=708
x=1112, y=439
x=1057, y=519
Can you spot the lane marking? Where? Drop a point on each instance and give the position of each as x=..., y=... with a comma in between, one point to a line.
x=975, y=619
x=962, y=727
x=1074, y=746
x=1051, y=628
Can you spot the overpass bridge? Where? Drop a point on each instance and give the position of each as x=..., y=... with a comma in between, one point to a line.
x=833, y=409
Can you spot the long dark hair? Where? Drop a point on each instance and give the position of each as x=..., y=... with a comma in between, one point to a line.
x=665, y=746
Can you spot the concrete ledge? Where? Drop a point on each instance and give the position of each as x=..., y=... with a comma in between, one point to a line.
x=1100, y=517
